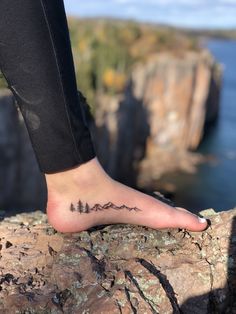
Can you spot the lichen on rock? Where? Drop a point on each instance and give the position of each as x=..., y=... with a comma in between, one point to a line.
x=117, y=268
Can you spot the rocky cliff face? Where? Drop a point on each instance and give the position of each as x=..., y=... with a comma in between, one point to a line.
x=117, y=269
x=21, y=184
x=162, y=114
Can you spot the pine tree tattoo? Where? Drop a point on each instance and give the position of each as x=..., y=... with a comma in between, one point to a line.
x=85, y=208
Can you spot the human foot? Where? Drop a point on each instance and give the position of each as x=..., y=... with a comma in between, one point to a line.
x=86, y=196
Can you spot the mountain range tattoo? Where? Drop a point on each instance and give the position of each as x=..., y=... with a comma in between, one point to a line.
x=85, y=208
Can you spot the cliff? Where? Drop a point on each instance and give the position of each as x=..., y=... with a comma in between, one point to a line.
x=21, y=184
x=162, y=115
x=117, y=269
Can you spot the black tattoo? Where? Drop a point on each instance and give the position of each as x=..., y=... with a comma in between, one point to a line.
x=85, y=208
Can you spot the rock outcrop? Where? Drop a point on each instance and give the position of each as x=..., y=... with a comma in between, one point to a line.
x=161, y=116
x=117, y=269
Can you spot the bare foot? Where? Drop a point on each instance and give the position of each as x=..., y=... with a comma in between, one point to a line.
x=86, y=196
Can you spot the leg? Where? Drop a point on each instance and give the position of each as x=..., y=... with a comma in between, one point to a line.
x=36, y=59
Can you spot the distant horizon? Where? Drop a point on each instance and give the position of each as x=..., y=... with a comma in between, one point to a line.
x=190, y=14
x=125, y=19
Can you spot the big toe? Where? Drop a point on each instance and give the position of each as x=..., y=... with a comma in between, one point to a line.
x=191, y=221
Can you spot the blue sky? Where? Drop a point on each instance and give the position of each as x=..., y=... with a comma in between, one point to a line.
x=188, y=13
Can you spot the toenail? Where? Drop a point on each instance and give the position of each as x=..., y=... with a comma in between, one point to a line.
x=202, y=220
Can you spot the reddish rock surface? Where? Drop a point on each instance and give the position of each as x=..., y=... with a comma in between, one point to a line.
x=117, y=269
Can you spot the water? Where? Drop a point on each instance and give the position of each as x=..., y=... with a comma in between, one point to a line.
x=214, y=185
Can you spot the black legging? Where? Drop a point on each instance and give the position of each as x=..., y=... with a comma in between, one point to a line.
x=37, y=62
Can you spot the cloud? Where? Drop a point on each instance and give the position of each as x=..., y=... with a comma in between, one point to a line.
x=188, y=13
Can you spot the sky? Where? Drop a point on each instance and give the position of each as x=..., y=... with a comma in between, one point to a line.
x=183, y=13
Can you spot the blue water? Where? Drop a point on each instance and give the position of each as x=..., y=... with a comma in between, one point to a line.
x=214, y=185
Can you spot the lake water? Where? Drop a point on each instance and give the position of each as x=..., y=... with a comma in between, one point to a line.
x=214, y=185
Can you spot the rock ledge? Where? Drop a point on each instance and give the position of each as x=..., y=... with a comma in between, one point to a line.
x=118, y=268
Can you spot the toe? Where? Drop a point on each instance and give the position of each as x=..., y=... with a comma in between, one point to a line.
x=191, y=221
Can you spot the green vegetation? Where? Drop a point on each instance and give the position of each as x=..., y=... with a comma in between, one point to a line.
x=3, y=82
x=105, y=50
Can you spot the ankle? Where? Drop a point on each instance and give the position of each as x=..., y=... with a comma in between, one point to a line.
x=85, y=176
x=87, y=172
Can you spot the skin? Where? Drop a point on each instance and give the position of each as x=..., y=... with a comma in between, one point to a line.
x=86, y=209
x=108, y=202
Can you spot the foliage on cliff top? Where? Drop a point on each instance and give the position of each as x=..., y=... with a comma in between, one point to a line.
x=3, y=83
x=105, y=50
